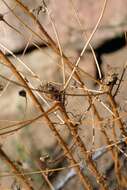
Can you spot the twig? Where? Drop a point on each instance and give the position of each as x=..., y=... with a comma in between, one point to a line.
x=87, y=43
x=21, y=176
x=84, y=179
x=81, y=146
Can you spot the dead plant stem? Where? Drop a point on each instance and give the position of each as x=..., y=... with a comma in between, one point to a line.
x=74, y=131
x=83, y=179
x=21, y=177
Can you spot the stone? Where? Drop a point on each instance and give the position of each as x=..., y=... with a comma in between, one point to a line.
x=62, y=14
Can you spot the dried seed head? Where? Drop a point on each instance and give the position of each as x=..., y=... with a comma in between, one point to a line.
x=53, y=92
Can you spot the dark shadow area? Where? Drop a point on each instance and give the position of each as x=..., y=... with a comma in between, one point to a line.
x=29, y=49
x=109, y=46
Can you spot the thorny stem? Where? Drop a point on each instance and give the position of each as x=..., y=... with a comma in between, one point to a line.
x=120, y=80
x=51, y=43
x=84, y=179
x=115, y=111
x=116, y=157
x=21, y=177
x=123, y=132
x=54, y=46
x=113, y=154
x=74, y=131
x=99, y=120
